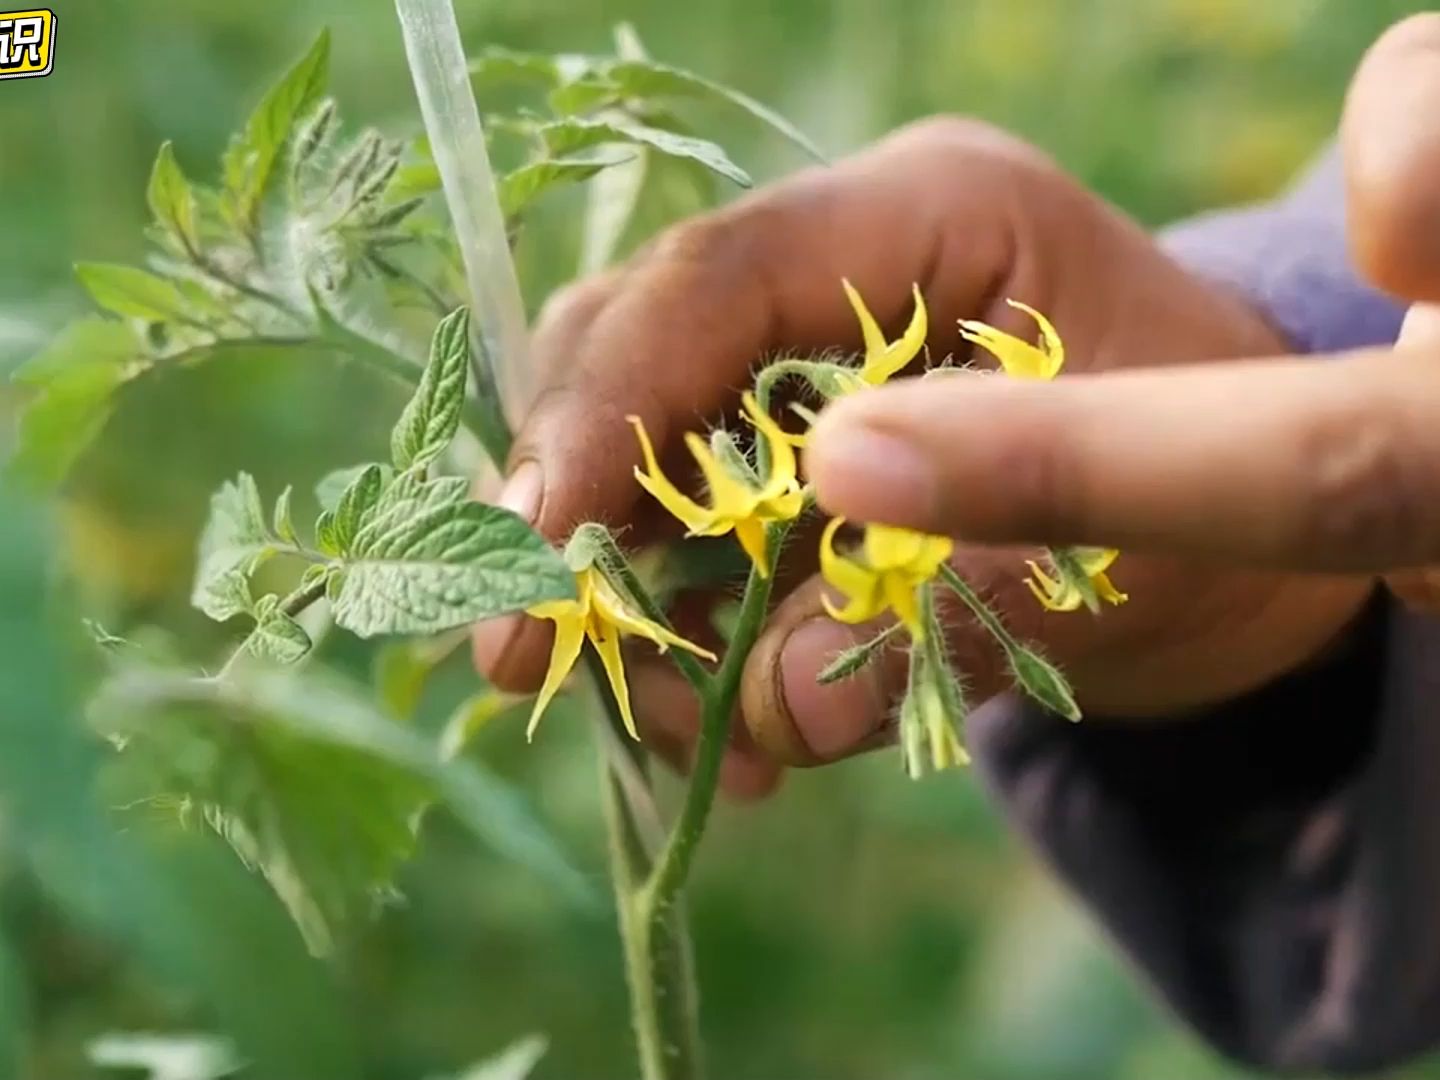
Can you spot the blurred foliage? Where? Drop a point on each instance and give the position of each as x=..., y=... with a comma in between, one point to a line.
x=854, y=926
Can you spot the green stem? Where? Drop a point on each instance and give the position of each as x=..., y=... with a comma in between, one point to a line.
x=978, y=607
x=292, y=606
x=659, y=963
x=717, y=712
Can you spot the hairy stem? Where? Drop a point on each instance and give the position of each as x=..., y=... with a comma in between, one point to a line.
x=717, y=712
x=292, y=606
x=659, y=965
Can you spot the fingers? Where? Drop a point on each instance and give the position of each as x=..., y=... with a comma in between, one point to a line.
x=1322, y=464
x=671, y=337
x=1391, y=145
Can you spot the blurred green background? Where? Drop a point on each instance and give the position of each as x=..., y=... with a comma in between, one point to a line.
x=856, y=925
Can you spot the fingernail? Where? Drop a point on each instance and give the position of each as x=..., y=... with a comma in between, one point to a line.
x=523, y=491
x=835, y=718
x=870, y=475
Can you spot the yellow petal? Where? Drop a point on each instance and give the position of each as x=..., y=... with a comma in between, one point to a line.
x=933, y=553
x=859, y=609
x=869, y=328
x=750, y=532
x=692, y=514
x=1095, y=560
x=611, y=608
x=852, y=579
x=783, y=467
x=891, y=548
x=569, y=636
x=892, y=359
x=1054, y=347
x=901, y=597
x=729, y=497
x=1105, y=589
x=606, y=639
x=1020, y=359
x=785, y=507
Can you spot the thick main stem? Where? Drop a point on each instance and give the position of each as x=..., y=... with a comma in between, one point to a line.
x=659, y=966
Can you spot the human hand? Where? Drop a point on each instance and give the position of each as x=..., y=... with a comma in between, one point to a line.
x=974, y=216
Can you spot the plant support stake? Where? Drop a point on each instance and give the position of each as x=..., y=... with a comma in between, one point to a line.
x=457, y=143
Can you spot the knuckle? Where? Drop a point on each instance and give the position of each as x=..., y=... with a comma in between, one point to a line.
x=1363, y=488
x=709, y=245
x=570, y=308
x=964, y=140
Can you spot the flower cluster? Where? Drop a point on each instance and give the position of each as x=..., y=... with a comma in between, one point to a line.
x=756, y=495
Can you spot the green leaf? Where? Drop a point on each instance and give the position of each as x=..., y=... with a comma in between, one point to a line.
x=234, y=542
x=311, y=785
x=63, y=419
x=432, y=416
x=401, y=669
x=277, y=636
x=428, y=560
x=281, y=521
x=332, y=485
x=133, y=293
x=650, y=79
x=336, y=529
x=589, y=93
x=515, y=1062
x=193, y=919
x=563, y=137
x=250, y=160
x=413, y=181
x=496, y=66
x=526, y=184
x=167, y=1057
x=469, y=717
x=171, y=200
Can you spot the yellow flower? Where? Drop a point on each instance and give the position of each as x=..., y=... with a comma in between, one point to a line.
x=744, y=504
x=1065, y=594
x=896, y=562
x=885, y=359
x=1018, y=357
x=604, y=616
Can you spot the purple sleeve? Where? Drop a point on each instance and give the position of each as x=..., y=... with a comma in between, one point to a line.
x=1271, y=867
x=1289, y=258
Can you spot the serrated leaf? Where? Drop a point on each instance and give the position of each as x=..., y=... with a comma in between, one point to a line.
x=277, y=636
x=333, y=484
x=432, y=415
x=171, y=201
x=587, y=93
x=311, y=785
x=650, y=79
x=234, y=542
x=250, y=160
x=281, y=521
x=526, y=184
x=131, y=292
x=351, y=510
x=497, y=65
x=563, y=137
x=428, y=562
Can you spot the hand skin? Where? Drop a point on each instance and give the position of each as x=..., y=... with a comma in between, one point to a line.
x=1255, y=500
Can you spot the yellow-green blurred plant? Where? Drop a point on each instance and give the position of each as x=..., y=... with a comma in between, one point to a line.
x=315, y=238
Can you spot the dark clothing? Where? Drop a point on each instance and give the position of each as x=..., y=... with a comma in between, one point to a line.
x=1272, y=866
